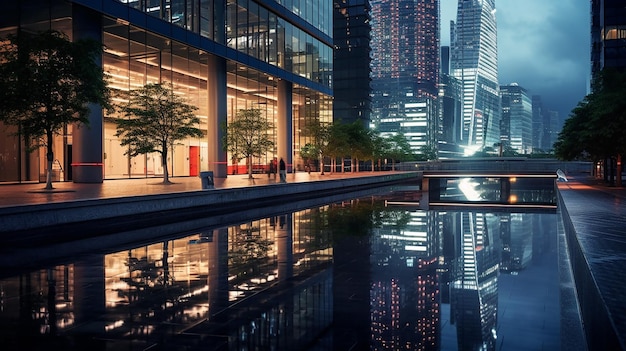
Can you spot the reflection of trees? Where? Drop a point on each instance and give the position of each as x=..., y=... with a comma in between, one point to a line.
x=250, y=249
x=150, y=282
x=358, y=217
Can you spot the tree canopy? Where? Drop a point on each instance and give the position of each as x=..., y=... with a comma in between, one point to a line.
x=155, y=119
x=248, y=136
x=319, y=135
x=46, y=83
x=595, y=128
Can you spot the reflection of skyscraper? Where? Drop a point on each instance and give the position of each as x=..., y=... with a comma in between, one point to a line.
x=517, y=240
x=405, y=310
x=474, y=289
x=475, y=63
x=405, y=68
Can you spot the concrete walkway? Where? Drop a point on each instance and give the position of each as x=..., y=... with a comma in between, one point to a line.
x=594, y=217
x=12, y=195
x=28, y=210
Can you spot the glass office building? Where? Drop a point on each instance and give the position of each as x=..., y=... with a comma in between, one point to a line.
x=351, y=77
x=608, y=35
x=474, y=62
x=516, y=127
x=221, y=55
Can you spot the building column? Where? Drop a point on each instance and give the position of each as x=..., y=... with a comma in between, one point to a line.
x=216, y=90
x=285, y=123
x=87, y=140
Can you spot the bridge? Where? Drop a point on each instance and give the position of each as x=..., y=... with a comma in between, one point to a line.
x=493, y=182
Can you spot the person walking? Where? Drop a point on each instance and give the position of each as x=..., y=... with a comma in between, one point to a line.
x=282, y=171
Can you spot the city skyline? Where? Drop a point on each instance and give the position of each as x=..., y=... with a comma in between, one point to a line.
x=542, y=46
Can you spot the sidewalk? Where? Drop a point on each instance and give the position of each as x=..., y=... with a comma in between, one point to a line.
x=34, y=193
x=595, y=224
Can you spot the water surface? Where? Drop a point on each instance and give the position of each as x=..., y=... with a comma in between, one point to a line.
x=358, y=274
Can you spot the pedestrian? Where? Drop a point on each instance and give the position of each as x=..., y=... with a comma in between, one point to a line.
x=282, y=170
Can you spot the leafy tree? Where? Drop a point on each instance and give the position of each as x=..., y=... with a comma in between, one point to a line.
x=595, y=128
x=338, y=144
x=428, y=152
x=309, y=153
x=247, y=136
x=380, y=148
x=156, y=119
x=399, y=149
x=46, y=83
x=319, y=133
x=352, y=140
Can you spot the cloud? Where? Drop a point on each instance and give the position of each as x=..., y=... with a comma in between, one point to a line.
x=542, y=45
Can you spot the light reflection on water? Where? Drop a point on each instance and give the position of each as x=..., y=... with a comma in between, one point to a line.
x=350, y=275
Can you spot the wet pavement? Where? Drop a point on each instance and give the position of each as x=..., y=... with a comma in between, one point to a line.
x=597, y=214
x=34, y=193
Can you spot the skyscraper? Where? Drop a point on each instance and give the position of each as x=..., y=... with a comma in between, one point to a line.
x=351, y=64
x=608, y=37
x=517, y=118
x=405, y=68
x=475, y=63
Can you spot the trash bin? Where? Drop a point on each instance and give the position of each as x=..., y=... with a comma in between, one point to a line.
x=207, y=179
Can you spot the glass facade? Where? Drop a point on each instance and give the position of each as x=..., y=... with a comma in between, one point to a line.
x=184, y=43
x=351, y=78
x=517, y=118
x=608, y=35
x=405, y=69
x=474, y=62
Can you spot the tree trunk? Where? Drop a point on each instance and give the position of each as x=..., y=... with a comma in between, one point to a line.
x=166, y=175
x=321, y=163
x=49, y=159
x=249, y=158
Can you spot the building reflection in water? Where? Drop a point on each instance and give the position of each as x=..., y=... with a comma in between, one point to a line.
x=355, y=274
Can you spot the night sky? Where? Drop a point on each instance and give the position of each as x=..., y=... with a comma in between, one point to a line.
x=543, y=45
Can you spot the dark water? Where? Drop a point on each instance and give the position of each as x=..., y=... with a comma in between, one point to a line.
x=352, y=275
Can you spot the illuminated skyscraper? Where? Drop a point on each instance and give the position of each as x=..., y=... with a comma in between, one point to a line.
x=517, y=118
x=405, y=68
x=475, y=63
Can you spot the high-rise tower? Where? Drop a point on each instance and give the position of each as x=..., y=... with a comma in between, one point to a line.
x=351, y=64
x=516, y=127
x=608, y=38
x=405, y=68
x=475, y=63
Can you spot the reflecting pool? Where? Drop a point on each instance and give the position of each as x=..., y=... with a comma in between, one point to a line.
x=358, y=274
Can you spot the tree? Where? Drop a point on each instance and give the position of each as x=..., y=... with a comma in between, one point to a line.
x=247, y=136
x=46, y=83
x=155, y=119
x=338, y=144
x=595, y=128
x=319, y=133
x=309, y=153
x=399, y=149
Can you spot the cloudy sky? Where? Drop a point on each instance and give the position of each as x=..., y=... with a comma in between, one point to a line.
x=543, y=45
